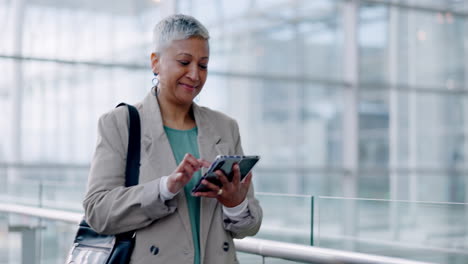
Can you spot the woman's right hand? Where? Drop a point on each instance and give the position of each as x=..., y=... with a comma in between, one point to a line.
x=184, y=172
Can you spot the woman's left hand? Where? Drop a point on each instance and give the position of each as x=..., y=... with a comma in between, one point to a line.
x=232, y=193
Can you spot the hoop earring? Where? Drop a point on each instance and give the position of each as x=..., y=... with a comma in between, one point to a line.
x=154, y=89
x=197, y=99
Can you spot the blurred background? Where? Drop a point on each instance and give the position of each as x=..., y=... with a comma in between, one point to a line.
x=358, y=109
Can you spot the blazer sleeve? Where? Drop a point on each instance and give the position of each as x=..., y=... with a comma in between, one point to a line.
x=110, y=207
x=250, y=224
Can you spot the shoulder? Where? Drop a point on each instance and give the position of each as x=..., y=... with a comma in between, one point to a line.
x=117, y=117
x=218, y=118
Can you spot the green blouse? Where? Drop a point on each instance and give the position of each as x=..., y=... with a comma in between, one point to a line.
x=182, y=142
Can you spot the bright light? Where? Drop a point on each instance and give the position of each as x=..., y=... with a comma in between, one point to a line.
x=440, y=18
x=449, y=17
x=422, y=36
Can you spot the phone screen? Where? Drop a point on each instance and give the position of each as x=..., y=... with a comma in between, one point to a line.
x=245, y=165
x=225, y=165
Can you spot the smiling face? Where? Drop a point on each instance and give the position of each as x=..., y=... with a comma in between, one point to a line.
x=182, y=69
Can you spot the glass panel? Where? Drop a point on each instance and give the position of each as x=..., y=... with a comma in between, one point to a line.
x=373, y=128
x=428, y=45
x=375, y=184
x=455, y=5
x=303, y=120
x=418, y=118
x=274, y=65
x=79, y=31
x=249, y=258
x=300, y=39
x=54, y=239
x=286, y=218
x=58, y=188
x=434, y=232
x=60, y=98
x=373, y=43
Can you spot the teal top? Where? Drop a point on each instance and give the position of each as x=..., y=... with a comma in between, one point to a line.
x=182, y=142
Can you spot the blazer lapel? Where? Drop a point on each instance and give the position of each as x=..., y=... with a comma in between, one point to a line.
x=159, y=151
x=207, y=141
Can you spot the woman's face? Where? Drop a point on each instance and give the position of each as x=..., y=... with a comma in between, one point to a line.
x=182, y=69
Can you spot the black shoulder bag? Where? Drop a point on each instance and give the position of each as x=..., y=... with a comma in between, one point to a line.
x=92, y=248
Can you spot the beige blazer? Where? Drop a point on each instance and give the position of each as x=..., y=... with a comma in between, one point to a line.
x=163, y=228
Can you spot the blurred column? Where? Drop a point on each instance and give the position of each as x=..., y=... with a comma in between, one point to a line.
x=412, y=112
x=350, y=117
x=17, y=21
x=465, y=113
x=296, y=104
x=393, y=39
x=14, y=148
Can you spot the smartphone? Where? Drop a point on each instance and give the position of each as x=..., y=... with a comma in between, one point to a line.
x=225, y=163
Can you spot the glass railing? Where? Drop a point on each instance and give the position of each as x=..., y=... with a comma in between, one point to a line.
x=25, y=239
x=46, y=194
x=48, y=187
x=36, y=241
x=287, y=218
x=424, y=231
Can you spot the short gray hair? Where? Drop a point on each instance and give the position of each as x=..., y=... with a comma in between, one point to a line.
x=177, y=27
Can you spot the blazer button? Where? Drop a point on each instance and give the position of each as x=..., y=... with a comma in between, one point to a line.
x=154, y=250
x=226, y=246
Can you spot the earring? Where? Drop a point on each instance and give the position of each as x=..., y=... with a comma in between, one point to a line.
x=197, y=99
x=155, y=82
x=154, y=91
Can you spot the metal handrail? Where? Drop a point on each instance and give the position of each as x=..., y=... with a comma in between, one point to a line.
x=262, y=247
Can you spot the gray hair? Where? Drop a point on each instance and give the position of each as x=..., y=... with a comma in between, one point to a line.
x=177, y=27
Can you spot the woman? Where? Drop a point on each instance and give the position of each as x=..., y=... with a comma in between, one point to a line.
x=178, y=139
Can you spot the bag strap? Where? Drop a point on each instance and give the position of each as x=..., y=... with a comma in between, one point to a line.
x=132, y=168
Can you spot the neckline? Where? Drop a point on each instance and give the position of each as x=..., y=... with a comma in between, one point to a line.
x=180, y=130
